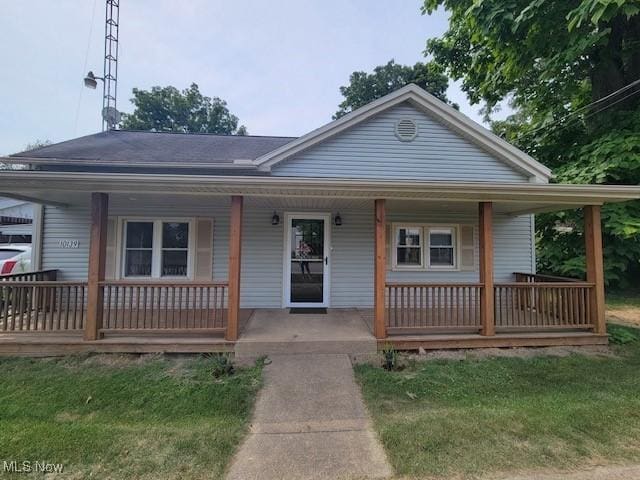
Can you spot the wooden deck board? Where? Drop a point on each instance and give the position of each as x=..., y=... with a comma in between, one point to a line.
x=51, y=344
x=500, y=340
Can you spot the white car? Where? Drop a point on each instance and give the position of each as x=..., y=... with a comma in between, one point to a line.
x=15, y=259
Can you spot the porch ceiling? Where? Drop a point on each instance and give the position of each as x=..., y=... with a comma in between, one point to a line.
x=509, y=198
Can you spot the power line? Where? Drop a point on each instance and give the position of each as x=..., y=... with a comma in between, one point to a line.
x=612, y=103
x=581, y=109
x=84, y=68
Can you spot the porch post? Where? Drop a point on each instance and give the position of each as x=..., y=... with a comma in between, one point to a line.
x=235, y=247
x=595, y=268
x=486, y=269
x=97, y=258
x=380, y=270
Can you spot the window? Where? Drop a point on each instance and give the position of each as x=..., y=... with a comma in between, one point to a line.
x=442, y=248
x=156, y=248
x=408, y=246
x=139, y=249
x=175, y=249
x=440, y=253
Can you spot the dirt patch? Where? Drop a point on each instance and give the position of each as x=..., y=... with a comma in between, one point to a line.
x=63, y=417
x=121, y=360
x=480, y=353
x=613, y=472
x=516, y=352
x=624, y=315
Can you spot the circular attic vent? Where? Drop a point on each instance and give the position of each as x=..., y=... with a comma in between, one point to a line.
x=406, y=130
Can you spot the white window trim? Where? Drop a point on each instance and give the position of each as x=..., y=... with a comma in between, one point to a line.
x=156, y=256
x=454, y=229
x=396, y=227
x=425, y=259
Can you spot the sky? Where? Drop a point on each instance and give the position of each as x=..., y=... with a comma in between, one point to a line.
x=278, y=64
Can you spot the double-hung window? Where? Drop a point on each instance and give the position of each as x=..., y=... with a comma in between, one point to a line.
x=425, y=247
x=156, y=249
x=175, y=249
x=442, y=247
x=138, y=256
x=408, y=247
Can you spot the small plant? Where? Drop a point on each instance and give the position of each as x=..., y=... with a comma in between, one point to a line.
x=221, y=365
x=389, y=357
x=622, y=335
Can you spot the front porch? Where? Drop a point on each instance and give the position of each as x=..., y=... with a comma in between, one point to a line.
x=273, y=331
x=477, y=304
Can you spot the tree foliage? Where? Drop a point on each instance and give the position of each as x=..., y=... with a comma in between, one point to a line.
x=37, y=143
x=366, y=87
x=166, y=109
x=567, y=69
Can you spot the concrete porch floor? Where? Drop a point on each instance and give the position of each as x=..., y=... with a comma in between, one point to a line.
x=276, y=331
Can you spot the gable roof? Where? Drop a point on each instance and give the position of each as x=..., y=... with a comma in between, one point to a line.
x=136, y=148
x=430, y=105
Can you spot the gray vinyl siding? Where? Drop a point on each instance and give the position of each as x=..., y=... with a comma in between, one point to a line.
x=263, y=247
x=351, y=281
x=69, y=223
x=512, y=238
x=371, y=150
x=262, y=250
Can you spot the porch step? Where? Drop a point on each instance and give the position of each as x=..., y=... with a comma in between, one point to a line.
x=256, y=348
x=277, y=332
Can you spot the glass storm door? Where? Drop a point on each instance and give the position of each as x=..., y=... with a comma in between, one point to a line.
x=307, y=261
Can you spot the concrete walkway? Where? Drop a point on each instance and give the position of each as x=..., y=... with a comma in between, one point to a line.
x=310, y=423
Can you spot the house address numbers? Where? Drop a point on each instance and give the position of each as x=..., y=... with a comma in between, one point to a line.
x=69, y=243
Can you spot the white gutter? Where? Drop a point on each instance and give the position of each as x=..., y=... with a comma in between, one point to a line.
x=30, y=181
x=238, y=164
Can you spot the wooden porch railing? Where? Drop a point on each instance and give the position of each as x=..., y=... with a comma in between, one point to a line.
x=37, y=276
x=543, y=305
x=430, y=308
x=164, y=307
x=42, y=306
x=529, y=305
x=538, y=278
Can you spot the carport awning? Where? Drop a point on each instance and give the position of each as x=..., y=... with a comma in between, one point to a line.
x=509, y=198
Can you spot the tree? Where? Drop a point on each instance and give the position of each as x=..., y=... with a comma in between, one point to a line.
x=366, y=87
x=166, y=109
x=37, y=143
x=568, y=70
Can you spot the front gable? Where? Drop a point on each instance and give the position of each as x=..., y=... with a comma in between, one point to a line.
x=373, y=150
x=364, y=144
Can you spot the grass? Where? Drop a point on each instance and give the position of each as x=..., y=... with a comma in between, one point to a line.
x=623, y=299
x=461, y=419
x=124, y=417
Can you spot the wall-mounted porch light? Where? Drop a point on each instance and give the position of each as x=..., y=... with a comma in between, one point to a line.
x=337, y=220
x=275, y=220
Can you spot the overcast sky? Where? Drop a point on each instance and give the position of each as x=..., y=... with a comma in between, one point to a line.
x=278, y=63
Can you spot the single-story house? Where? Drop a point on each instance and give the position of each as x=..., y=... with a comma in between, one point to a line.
x=404, y=212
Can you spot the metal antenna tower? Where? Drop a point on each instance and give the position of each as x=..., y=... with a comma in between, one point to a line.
x=110, y=115
x=110, y=84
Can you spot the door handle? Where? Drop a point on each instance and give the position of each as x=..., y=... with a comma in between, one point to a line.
x=326, y=260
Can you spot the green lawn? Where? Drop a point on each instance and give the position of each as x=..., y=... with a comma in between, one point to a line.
x=443, y=418
x=623, y=299
x=124, y=417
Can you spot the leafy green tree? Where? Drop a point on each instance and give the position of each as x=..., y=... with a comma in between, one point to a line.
x=166, y=109
x=568, y=70
x=366, y=87
x=37, y=144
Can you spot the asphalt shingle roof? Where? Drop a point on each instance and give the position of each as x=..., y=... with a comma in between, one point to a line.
x=155, y=148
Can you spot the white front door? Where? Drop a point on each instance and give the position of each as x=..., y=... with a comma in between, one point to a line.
x=307, y=259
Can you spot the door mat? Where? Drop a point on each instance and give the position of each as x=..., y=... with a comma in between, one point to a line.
x=308, y=310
